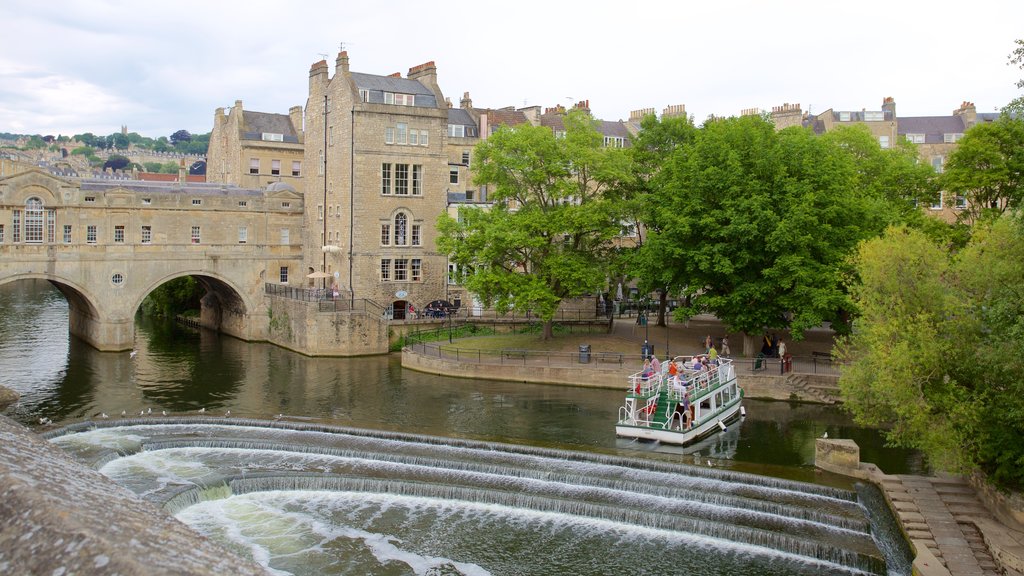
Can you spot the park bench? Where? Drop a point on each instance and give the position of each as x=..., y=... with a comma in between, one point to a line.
x=514, y=354
x=615, y=357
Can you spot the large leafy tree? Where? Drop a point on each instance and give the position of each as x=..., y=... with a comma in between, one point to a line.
x=644, y=192
x=938, y=349
x=762, y=222
x=987, y=169
x=556, y=210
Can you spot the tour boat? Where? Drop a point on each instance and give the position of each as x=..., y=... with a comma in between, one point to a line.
x=655, y=401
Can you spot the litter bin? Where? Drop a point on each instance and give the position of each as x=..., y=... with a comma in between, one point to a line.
x=584, y=353
x=760, y=361
x=647, y=350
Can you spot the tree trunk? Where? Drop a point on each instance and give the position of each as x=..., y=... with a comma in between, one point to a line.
x=549, y=330
x=748, y=345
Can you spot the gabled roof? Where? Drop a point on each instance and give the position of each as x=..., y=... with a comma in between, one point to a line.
x=378, y=85
x=255, y=124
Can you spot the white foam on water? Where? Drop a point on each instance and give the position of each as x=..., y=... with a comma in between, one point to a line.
x=287, y=532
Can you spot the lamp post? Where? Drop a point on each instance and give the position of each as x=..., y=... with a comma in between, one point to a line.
x=667, y=353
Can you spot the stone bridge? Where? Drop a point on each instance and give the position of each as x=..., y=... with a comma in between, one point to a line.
x=107, y=244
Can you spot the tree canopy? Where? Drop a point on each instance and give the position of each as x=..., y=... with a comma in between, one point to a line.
x=556, y=210
x=938, y=353
x=760, y=223
x=987, y=169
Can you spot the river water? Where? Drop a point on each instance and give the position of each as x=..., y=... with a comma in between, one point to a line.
x=182, y=372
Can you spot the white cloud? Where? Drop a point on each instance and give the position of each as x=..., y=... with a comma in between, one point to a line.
x=162, y=66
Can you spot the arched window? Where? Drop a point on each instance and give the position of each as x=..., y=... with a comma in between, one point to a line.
x=33, y=221
x=401, y=237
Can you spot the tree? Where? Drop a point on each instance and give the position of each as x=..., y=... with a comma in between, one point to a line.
x=1016, y=58
x=644, y=192
x=548, y=235
x=120, y=141
x=762, y=223
x=151, y=166
x=938, y=353
x=987, y=169
x=116, y=162
x=180, y=136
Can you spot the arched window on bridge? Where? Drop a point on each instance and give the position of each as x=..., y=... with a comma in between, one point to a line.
x=34, y=221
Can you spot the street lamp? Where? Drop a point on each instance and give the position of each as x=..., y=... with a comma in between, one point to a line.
x=667, y=353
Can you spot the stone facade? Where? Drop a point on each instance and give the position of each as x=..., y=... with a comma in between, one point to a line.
x=255, y=149
x=376, y=149
x=107, y=244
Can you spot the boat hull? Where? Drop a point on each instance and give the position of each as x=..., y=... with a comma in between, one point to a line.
x=681, y=437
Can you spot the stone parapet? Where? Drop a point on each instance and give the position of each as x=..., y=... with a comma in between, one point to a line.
x=60, y=517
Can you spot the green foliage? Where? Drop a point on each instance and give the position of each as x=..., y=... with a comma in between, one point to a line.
x=548, y=236
x=180, y=136
x=83, y=151
x=169, y=167
x=938, y=350
x=987, y=168
x=760, y=223
x=1016, y=58
x=116, y=162
x=174, y=297
x=152, y=166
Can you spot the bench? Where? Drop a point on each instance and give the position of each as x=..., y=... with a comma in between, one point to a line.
x=827, y=355
x=615, y=357
x=514, y=354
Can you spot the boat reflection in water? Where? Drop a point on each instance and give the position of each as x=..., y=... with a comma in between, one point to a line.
x=315, y=499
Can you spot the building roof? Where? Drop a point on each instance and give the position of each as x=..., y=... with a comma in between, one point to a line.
x=460, y=116
x=503, y=117
x=255, y=124
x=208, y=188
x=378, y=85
x=933, y=127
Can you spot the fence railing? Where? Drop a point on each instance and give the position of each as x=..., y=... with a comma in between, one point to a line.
x=596, y=359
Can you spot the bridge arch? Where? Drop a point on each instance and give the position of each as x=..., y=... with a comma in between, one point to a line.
x=225, y=307
x=84, y=314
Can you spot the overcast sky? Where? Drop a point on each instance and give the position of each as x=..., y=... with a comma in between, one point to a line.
x=69, y=67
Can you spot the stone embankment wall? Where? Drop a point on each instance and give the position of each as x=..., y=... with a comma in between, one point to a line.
x=301, y=327
x=60, y=517
x=806, y=388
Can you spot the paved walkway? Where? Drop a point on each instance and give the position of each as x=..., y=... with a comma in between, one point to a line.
x=950, y=527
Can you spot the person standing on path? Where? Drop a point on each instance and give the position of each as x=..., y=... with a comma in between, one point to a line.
x=725, y=346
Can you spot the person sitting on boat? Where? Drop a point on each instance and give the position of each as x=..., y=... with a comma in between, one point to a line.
x=697, y=364
x=672, y=368
x=680, y=412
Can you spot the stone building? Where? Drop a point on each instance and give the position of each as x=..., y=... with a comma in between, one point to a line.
x=380, y=170
x=935, y=136
x=255, y=149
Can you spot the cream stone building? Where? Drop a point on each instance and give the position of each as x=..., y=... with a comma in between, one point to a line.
x=255, y=149
x=936, y=137
x=379, y=171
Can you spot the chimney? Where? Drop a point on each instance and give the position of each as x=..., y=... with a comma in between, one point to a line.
x=426, y=74
x=638, y=115
x=318, y=73
x=295, y=115
x=968, y=113
x=466, y=103
x=674, y=110
x=341, y=63
x=889, y=108
x=787, y=115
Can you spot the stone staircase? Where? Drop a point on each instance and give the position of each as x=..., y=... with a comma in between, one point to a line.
x=940, y=514
x=820, y=392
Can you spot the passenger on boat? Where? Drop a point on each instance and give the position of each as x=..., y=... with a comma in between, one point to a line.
x=655, y=364
x=672, y=368
x=697, y=364
x=713, y=355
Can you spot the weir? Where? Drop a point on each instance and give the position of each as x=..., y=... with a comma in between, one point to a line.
x=319, y=499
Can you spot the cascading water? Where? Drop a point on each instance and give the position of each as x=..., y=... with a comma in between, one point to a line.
x=305, y=499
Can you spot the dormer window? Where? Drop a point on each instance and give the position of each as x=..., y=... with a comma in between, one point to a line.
x=273, y=137
x=399, y=99
x=456, y=131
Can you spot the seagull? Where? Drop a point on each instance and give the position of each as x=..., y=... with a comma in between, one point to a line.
x=142, y=412
x=124, y=413
x=279, y=416
x=165, y=412
x=149, y=410
x=228, y=413
x=709, y=463
x=104, y=415
x=202, y=410
x=132, y=354
x=44, y=421
x=825, y=435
